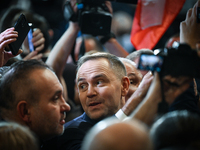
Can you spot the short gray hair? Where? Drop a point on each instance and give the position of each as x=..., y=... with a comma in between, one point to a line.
x=116, y=65
x=128, y=61
x=132, y=56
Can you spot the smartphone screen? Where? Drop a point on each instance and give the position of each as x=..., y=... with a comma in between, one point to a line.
x=30, y=37
x=150, y=62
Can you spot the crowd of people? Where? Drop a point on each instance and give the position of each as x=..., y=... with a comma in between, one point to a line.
x=85, y=94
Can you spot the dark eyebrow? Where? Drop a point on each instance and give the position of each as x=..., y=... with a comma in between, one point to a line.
x=95, y=77
x=57, y=92
x=80, y=79
x=131, y=74
x=99, y=76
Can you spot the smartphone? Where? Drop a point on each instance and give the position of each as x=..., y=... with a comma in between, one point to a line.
x=30, y=37
x=150, y=62
x=22, y=27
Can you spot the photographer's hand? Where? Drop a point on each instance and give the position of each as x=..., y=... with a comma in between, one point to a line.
x=189, y=28
x=109, y=6
x=72, y=24
x=38, y=39
x=7, y=37
x=74, y=6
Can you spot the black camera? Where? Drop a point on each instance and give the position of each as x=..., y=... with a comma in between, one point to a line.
x=175, y=61
x=93, y=16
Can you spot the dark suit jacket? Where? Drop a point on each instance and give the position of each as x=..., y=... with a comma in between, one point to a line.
x=75, y=131
x=72, y=138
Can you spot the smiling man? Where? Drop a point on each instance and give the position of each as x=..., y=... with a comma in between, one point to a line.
x=32, y=95
x=102, y=85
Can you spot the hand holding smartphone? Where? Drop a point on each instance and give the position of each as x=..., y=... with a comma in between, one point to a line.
x=22, y=27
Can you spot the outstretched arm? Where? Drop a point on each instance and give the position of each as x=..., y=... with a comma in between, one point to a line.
x=60, y=52
x=112, y=45
x=62, y=49
x=147, y=109
x=137, y=97
x=115, y=48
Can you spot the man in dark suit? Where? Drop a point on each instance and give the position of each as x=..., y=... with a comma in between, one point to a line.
x=102, y=85
x=32, y=95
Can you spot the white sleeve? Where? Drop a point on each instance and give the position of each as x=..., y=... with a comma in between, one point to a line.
x=121, y=115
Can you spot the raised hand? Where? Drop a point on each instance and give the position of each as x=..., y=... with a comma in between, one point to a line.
x=7, y=37
x=189, y=28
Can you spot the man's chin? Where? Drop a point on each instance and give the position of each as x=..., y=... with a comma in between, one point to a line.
x=97, y=116
x=61, y=131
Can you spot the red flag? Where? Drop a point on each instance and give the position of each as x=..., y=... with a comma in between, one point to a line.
x=148, y=36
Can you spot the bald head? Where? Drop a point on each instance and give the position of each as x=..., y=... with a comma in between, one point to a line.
x=115, y=135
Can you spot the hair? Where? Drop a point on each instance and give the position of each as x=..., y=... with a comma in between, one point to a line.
x=2, y=70
x=16, y=84
x=99, y=137
x=14, y=136
x=115, y=64
x=12, y=14
x=127, y=61
x=132, y=56
x=177, y=129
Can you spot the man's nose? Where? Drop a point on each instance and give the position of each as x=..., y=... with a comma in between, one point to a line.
x=91, y=91
x=65, y=107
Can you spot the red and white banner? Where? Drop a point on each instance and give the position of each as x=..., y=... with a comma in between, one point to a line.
x=152, y=19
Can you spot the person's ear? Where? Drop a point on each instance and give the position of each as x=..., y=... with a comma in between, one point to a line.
x=125, y=85
x=23, y=111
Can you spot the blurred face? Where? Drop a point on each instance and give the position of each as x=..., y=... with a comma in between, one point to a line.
x=89, y=45
x=99, y=89
x=135, y=77
x=47, y=116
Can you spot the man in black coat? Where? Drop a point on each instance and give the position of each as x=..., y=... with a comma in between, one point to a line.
x=102, y=85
